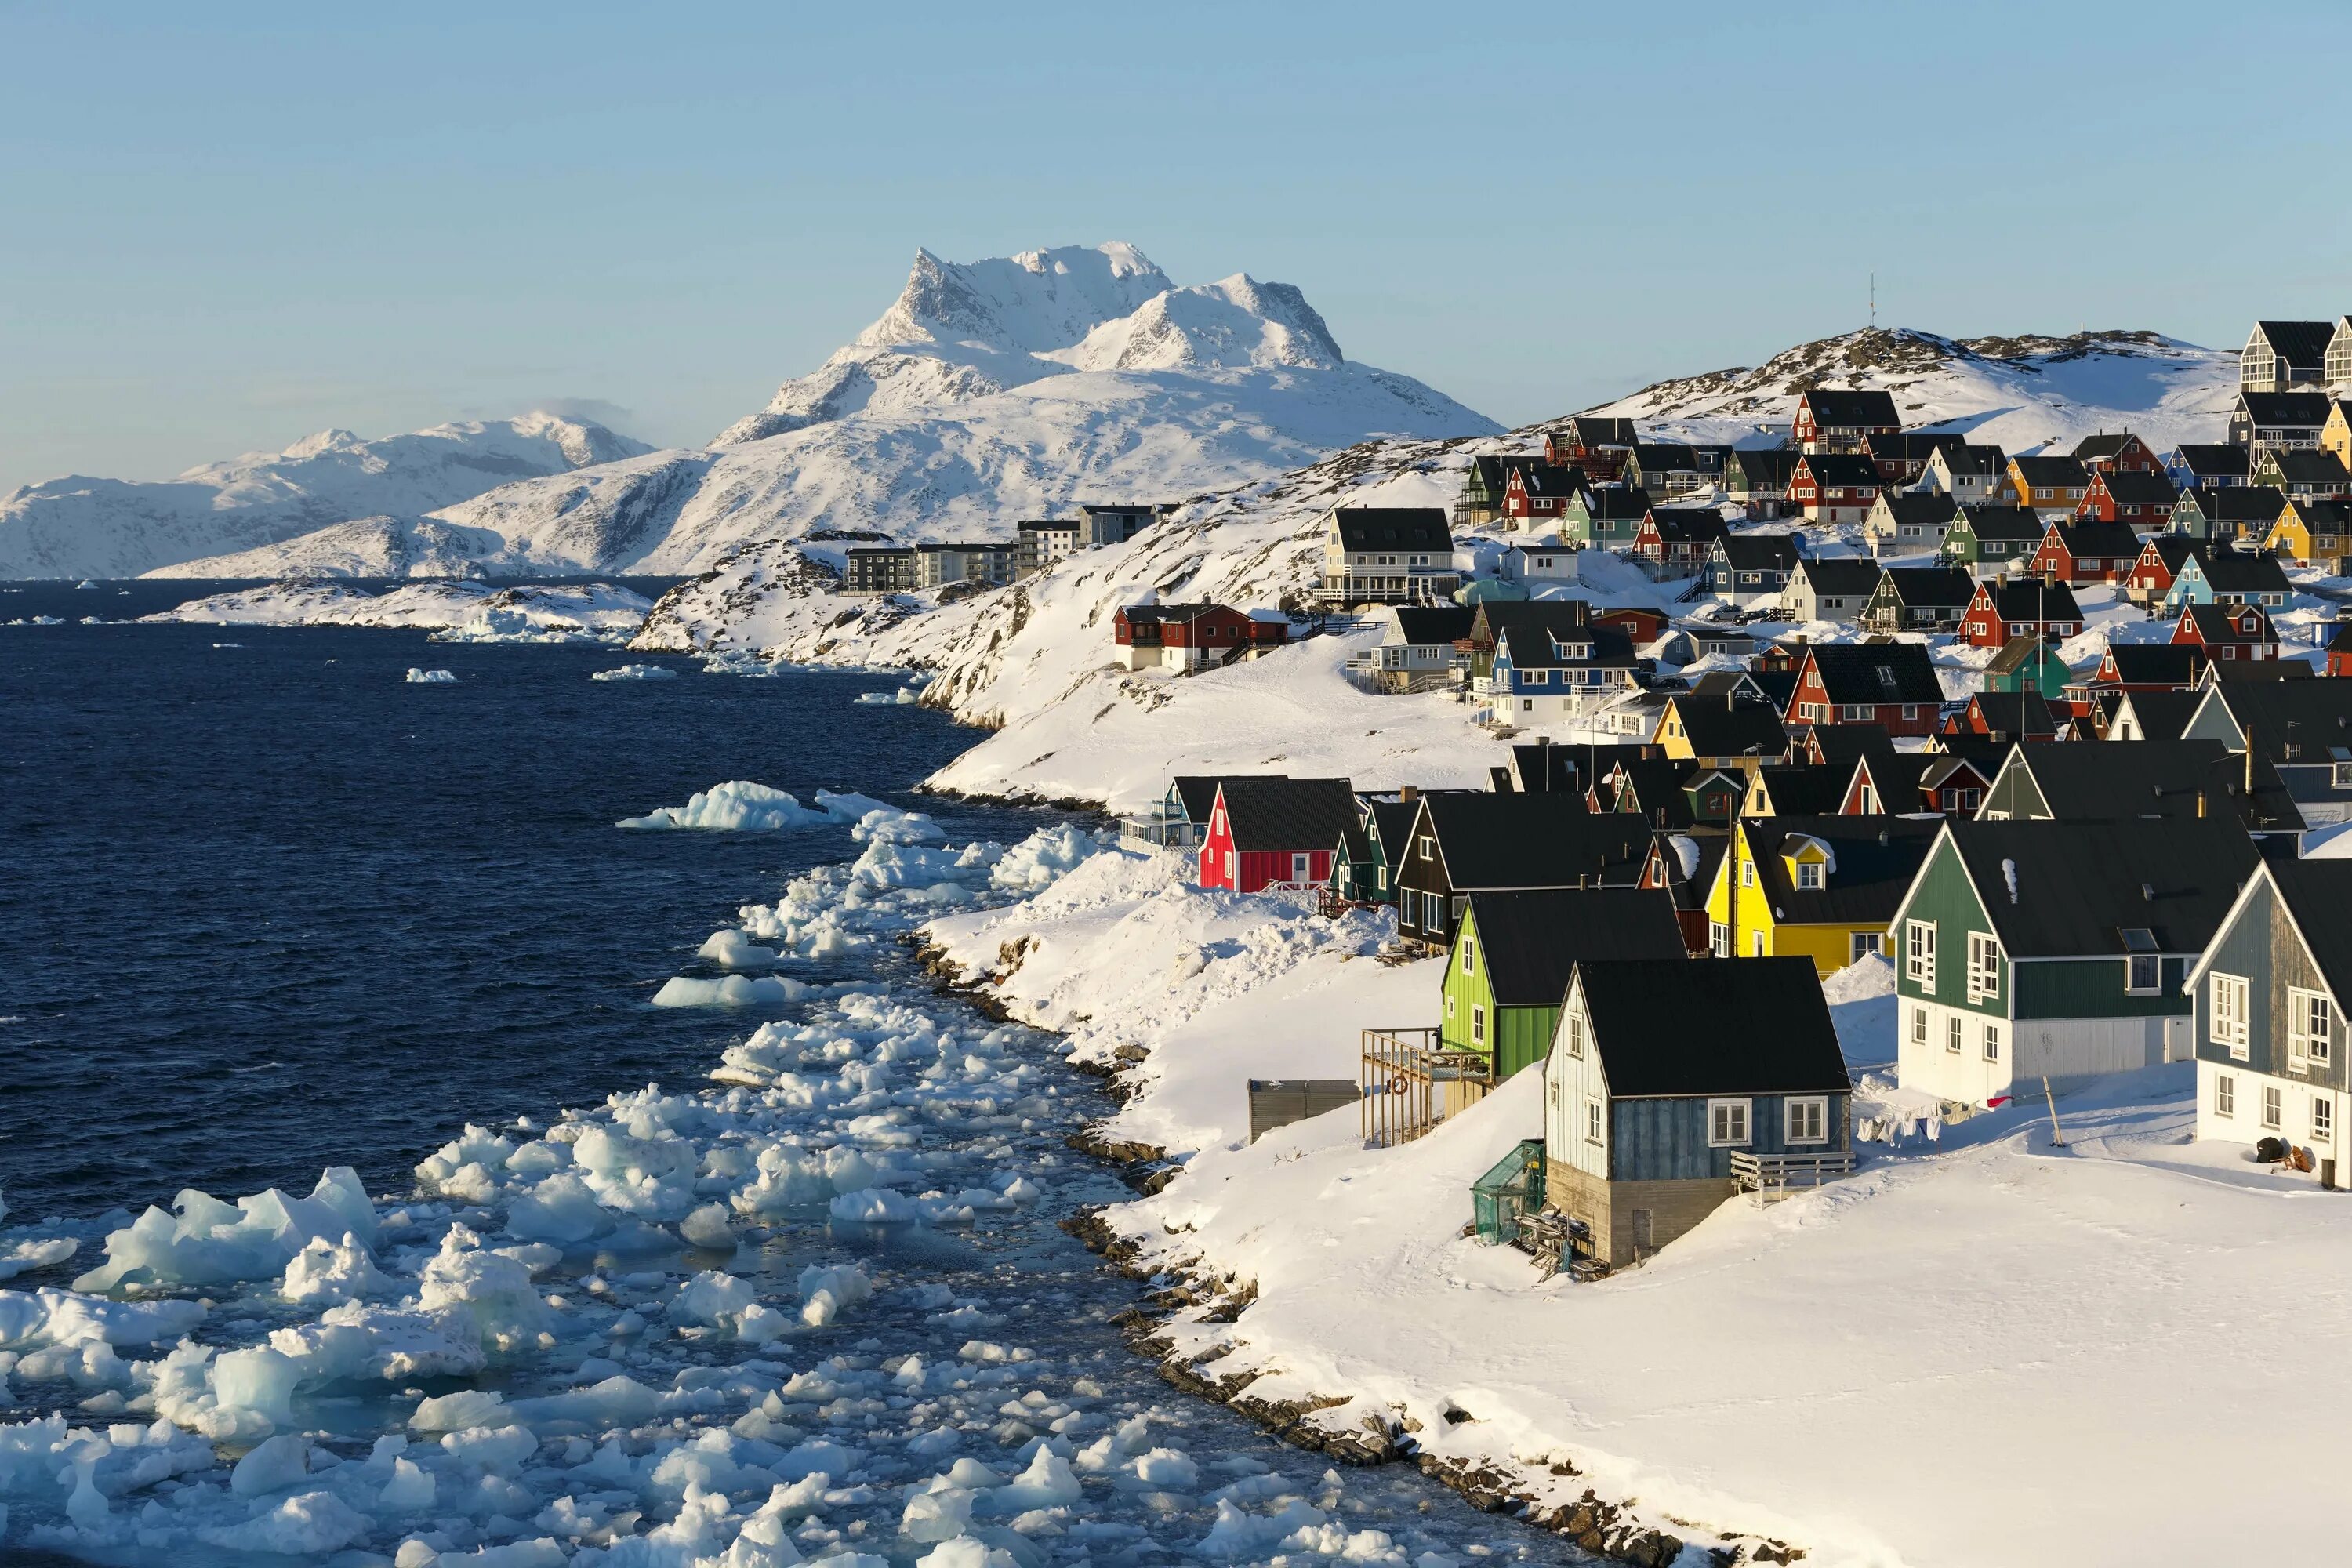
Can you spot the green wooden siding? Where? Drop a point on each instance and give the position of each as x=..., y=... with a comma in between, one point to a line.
x=2014, y=795
x=1515, y=1037
x=1943, y=894
x=2094, y=988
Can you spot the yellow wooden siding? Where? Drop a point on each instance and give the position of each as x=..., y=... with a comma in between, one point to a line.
x=1830, y=947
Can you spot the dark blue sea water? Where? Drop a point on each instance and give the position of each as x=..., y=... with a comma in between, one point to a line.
x=264, y=906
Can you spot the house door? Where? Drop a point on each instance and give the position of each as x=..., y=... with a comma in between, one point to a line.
x=1299, y=868
x=1642, y=1247
x=2179, y=1044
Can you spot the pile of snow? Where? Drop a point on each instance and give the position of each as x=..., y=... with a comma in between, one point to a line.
x=636, y=672
x=417, y=677
x=741, y=806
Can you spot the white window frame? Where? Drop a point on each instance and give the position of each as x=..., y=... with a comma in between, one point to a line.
x=1756, y=945
x=1730, y=1123
x=2225, y=1096
x=1747, y=873
x=1952, y=1032
x=1863, y=944
x=1806, y=1120
x=2227, y=1001
x=1596, y=1122
x=1449, y=1009
x=2131, y=961
x=1477, y=1023
x=2273, y=1107
x=2323, y=1118
x=1919, y=953
x=2307, y=1047
x=1984, y=966
x=1991, y=1041
x=1718, y=939
x=1919, y=1026
x=1808, y=875
x=1469, y=955
x=1571, y=1026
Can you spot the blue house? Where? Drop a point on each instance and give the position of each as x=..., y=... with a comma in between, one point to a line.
x=1745, y=567
x=2228, y=577
x=1545, y=671
x=1672, y=1083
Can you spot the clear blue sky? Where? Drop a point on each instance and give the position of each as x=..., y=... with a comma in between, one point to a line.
x=218, y=233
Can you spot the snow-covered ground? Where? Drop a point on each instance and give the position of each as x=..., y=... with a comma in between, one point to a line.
x=455, y=611
x=1977, y=1348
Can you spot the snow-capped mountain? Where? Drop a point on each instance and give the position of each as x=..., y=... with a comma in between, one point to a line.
x=83, y=527
x=988, y=392
x=2024, y=394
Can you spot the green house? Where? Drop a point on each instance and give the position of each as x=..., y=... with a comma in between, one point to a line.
x=1512, y=956
x=1985, y=538
x=1606, y=515
x=2028, y=664
x=2027, y=951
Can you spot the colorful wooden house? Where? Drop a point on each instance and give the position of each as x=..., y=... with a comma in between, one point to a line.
x=1891, y=684
x=1822, y=887
x=2051, y=485
x=2266, y=421
x=2229, y=577
x=2283, y=355
x=2086, y=552
x=2028, y=950
x=2336, y=436
x=2215, y=466
x=1677, y=538
x=1543, y=673
x=1743, y=568
x=1535, y=495
x=2303, y=473
x=1274, y=833
x=1508, y=968
x=1180, y=818
x=1190, y=636
x=1908, y=522
x=2028, y=664
x=2024, y=608
x=1481, y=500
x=2302, y=730
x=1473, y=842
x=2226, y=516
x=1829, y=488
x=1984, y=539
x=2338, y=659
x=2161, y=557
x=1971, y=475
x=1756, y=478
x=1606, y=515
x=2312, y=532
x=1654, y=1115
x=2227, y=631
x=1720, y=732
x=1638, y=622
x=1597, y=445
x=1671, y=469
x=2268, y=995
x=1388, y=555
x=1901, y=456
x=1833, y=420
x=1830, y=588
x=1917, y=599
x=2139, y=499
x=2120, y=453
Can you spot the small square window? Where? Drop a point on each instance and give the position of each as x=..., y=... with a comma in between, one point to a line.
x=1808, y=1120
x=1726, y=1123
x=1808, y=875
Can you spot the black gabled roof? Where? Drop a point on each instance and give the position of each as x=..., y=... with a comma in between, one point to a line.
x=2162, y=715
x=2287, y=409
x=2080, y=885
x=2017, y=652
x=1165, y=615
x=1569, y=766
x=2300, y=344
x=2134, y=780
x=2214, y=460
x=1595, y=430
x=1845, y=574
x=1650, y=791
x=1553, y=480
x=1706, y=1026
x=2244, y=571
x=2316, y=894
x=2033, y=600
x=2015, y=715
x=2307, y=466
x=1669, y=456
x=1851, y=469
x=2016, y=524
x=1759, y=552
x=1531, y=942
x=1896, y=775
x=2051, y=472
x=1877, y=672
x=1431, y=623
x=1848, y=409
x=1925, y=508
x=1198, y=792
x=1615, y=502
x=1532, y=646
x=2096, y=539
x=2238, y=503
x=1840, y=745
x=1800, y=789
x=1768, y=466
x=1974, y=460
x=1389, y=823
x=2175, y=549
x=2218, y=623
x=2317, y=714
x=1285, y=813
x=1393, y=527
x=1681, y=524
x=1872, y=862
x=2104, y=444
x=2134, y=486
x=1505, y=841
x=2321, y=515
x=1910, y=444
x=1717, y=728
x=1923, y=585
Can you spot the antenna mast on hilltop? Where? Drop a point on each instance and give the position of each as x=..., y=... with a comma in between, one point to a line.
x=1873, y=301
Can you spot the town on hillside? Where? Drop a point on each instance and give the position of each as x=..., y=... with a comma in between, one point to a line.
x=2056, y=739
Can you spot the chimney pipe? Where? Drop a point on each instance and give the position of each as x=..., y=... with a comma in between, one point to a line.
x=1408, y=794
x=2200, y=803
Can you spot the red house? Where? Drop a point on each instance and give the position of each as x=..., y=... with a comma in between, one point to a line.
x=2024, y=608
x=1190, y=636
x=1679, y=536
x=2227, y=631
x=2004, y=716
x=2142, y=501
x=2085, y=552
x=2121, y=453
x=1535, y=494
x=1636, y=622
x=2160, y=559
x=1842, y=421
x=1597, y=445
x=1891, y=684
x=1830, y=488
x=1274, y=832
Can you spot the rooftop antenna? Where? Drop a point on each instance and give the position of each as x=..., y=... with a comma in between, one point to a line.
x=1873, y=301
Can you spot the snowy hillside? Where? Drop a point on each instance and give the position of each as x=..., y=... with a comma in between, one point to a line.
x=986, y=392
x=83, y=527
x=2023, y=393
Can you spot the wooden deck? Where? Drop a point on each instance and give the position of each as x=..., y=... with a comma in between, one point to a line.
x=1410, y=1084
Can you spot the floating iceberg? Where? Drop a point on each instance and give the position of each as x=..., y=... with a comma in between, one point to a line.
x=636, y=672
x=417, y=677
x=740, y=805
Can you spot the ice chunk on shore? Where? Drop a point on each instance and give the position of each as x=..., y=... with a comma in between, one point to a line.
x=417, y=677
x=333, y=1271
x=730, y=991
x=636, y=672
x=739, y=805
x=730, y=948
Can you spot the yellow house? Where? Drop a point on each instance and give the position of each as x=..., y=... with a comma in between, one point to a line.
x=2308, y=530
x=2336, y=436
x=1721, y=731
x=1818, y=887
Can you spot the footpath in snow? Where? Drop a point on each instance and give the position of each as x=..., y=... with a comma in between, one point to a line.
x=1978, y=1349
x=817, y=1310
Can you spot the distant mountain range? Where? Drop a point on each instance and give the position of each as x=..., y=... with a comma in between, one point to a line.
x=986, y=392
